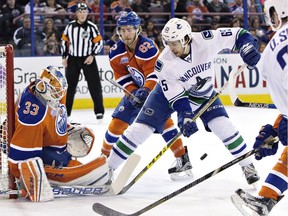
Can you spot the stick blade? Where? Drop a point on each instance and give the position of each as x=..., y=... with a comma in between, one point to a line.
x=125, y=173
x=106, y=211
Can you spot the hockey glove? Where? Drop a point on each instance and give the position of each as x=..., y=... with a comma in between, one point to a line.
x=187, y=127
x=282, y=131
x=265, y=142
x=250, y=55
x=141, y=94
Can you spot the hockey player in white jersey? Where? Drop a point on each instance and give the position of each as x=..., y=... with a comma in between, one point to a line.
x=275, y=71
x=186, y=75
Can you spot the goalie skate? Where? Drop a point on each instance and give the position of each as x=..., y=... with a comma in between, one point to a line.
x=182, y=168
x=249, y=205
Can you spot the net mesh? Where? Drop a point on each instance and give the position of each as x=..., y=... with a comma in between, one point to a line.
x=4, y=183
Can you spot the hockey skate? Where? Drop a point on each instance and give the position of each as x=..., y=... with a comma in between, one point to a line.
x=250, y=173
x=181, y=168
x=249, y=205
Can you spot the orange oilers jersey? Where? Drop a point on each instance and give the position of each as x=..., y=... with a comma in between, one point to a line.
x=36, y=126
x=134, y=70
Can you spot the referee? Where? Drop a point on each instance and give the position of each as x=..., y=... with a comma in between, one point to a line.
x=81, y=41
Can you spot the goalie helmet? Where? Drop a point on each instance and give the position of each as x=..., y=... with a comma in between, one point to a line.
x=51, y=86
x=280, y=6
x=128, y=19
x=177, y=30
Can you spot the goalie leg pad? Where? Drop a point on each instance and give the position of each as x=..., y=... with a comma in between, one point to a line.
x=92, y=173
x=35, y=181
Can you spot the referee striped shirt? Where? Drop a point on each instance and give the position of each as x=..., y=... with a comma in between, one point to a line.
x=80, y=40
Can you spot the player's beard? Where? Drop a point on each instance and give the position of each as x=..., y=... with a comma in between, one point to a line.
x=130, y=41
x=185, y=52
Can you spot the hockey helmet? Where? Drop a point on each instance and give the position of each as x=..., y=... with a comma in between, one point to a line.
x=128, y=19
x=81, y=7
x=51, y=86
x=177, y=30
x=280, y=6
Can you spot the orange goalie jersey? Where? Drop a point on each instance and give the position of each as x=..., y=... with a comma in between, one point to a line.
x=36, y=126
x=135, y=70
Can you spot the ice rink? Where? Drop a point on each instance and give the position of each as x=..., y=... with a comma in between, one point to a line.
x=209, y=198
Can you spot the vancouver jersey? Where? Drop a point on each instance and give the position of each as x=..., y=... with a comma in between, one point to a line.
x=195, y=73
x=36, y=126
x=134, y=70
x=275, y=69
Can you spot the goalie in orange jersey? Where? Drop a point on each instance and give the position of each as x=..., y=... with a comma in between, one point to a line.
x=132, y=60
x=43, y=142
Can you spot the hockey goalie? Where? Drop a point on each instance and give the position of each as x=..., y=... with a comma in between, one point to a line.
x=44, y=147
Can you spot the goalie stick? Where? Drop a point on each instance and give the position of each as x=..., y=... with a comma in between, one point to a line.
x=237, y=101
x=117, y=185
x=106, y=211
x=171, y=142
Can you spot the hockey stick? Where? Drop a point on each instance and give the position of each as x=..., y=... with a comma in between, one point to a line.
x=171, y=142
x=104, y=210
x=123, y=89
x=237, y=101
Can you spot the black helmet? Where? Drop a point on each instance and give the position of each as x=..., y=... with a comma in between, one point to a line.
x=82, y=6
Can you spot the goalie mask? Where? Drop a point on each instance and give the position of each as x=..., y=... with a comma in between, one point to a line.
x=129, y=19
x=278, y=6
x=177, y=30
x=51, y=86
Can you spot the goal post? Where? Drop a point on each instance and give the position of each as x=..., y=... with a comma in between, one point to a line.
x=7, y=116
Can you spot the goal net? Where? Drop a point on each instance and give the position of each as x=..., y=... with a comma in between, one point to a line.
x=6, y=114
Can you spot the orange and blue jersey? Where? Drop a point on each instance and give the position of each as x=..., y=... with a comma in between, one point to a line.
x=36, y=126
x=135, y=70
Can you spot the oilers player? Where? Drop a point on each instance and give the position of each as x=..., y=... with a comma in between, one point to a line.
x=275, y=72
x=186, y=74
x=133, y=59
x=42, y=137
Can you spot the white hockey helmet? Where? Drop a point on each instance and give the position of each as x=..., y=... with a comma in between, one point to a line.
x=280, y=6
x=51, y=86
x=177, y=30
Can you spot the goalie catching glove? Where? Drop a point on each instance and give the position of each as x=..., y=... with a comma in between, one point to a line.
x=80, y=140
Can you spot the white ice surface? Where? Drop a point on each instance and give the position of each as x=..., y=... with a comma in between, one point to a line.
x=209, y=198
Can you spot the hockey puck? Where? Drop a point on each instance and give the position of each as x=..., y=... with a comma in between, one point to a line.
x=203, y=156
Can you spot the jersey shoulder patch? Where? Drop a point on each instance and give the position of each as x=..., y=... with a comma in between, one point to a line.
x=30, y=110
x=146, y=48
x=117, y=49
x=158, y=65
x=207, y=35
